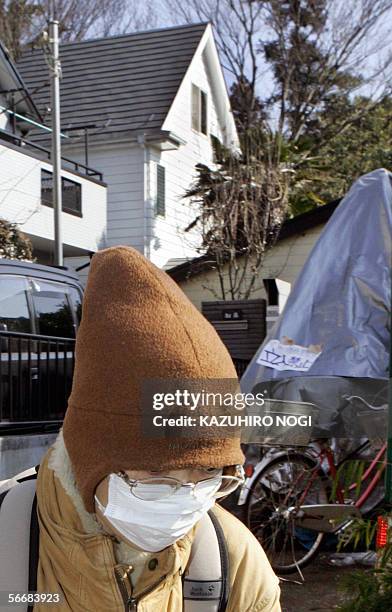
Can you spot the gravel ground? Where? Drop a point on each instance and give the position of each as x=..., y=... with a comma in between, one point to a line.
x=320, y=592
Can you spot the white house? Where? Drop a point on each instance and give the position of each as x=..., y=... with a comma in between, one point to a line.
x=148, y=103
x=26, y=178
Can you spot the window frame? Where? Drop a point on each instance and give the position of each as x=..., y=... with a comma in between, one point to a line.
x=160, y=209
x=57, y=287
x=72, y=302
x=62, y=288
x=29, y=304
x=199, y=106
x=64, y=179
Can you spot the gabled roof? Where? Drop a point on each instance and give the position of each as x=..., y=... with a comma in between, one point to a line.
x=121, y=83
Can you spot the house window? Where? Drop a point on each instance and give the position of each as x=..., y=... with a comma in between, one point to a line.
x=199, y=110
x=70, y=190
x=160, y=191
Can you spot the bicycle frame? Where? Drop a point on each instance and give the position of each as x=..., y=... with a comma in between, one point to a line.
x=326, y=453
x=299, y=494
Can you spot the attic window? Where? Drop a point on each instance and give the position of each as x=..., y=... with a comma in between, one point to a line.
x=199, y=110
x=160, y=205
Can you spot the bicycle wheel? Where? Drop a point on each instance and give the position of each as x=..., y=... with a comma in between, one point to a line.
x=285, y=483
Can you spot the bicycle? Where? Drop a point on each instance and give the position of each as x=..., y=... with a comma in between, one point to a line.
x=299, y=495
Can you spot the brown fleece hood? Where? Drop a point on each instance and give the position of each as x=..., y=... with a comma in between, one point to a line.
x=137, y=325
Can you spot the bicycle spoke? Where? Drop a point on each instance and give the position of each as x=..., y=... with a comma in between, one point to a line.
x=280, y=490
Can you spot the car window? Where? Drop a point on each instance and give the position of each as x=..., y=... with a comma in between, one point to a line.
x=14, y=311
x=52, y=309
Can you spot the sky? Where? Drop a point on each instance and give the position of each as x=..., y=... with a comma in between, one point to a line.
x=381, y=42
x=155, y=14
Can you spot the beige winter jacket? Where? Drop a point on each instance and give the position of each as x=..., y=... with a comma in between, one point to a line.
x=80, y=561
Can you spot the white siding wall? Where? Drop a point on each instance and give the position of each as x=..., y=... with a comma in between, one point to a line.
x=20, y=202
x=168, y=240
x=130, y=173
x=3, y=116
x=284, y=261
x=122, y=168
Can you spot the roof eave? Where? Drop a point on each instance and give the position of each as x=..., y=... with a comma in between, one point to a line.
x=224, y=109
x=207, y=45
x=165, y=140
x=18, y=81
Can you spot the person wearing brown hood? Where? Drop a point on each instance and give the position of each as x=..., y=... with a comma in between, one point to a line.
x=127, y=522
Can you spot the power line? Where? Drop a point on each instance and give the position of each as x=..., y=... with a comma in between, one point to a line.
x=27, y=95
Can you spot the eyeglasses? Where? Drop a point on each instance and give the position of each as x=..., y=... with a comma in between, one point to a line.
x=155, y=488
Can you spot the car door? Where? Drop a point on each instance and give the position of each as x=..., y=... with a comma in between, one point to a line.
x=56, y=324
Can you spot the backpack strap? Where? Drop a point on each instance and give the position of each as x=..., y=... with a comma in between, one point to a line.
x=206, y=580
x=6, y=485
x=19, y=536
x=33, y=548
x=224, y=557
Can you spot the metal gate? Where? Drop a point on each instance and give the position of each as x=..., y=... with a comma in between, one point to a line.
x=35, y=378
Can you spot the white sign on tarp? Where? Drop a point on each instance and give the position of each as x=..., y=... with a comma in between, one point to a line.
x=287, y=356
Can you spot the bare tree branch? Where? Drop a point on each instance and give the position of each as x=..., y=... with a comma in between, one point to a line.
x=22, y=21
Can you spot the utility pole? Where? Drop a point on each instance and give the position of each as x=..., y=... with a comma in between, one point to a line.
x=56, y=144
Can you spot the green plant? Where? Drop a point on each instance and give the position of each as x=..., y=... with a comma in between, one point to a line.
x=348, y=472
x=360, y=531
x=13, y=243
x=370, y=590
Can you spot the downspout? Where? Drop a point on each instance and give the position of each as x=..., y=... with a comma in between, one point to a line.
x=146, y=196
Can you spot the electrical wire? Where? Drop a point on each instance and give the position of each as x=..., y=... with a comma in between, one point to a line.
x=27, y=95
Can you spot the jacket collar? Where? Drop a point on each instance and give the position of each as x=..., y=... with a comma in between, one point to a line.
x=60, y=463
x=81, y=524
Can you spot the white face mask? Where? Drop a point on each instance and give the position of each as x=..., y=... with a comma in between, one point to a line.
x=154, y=525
